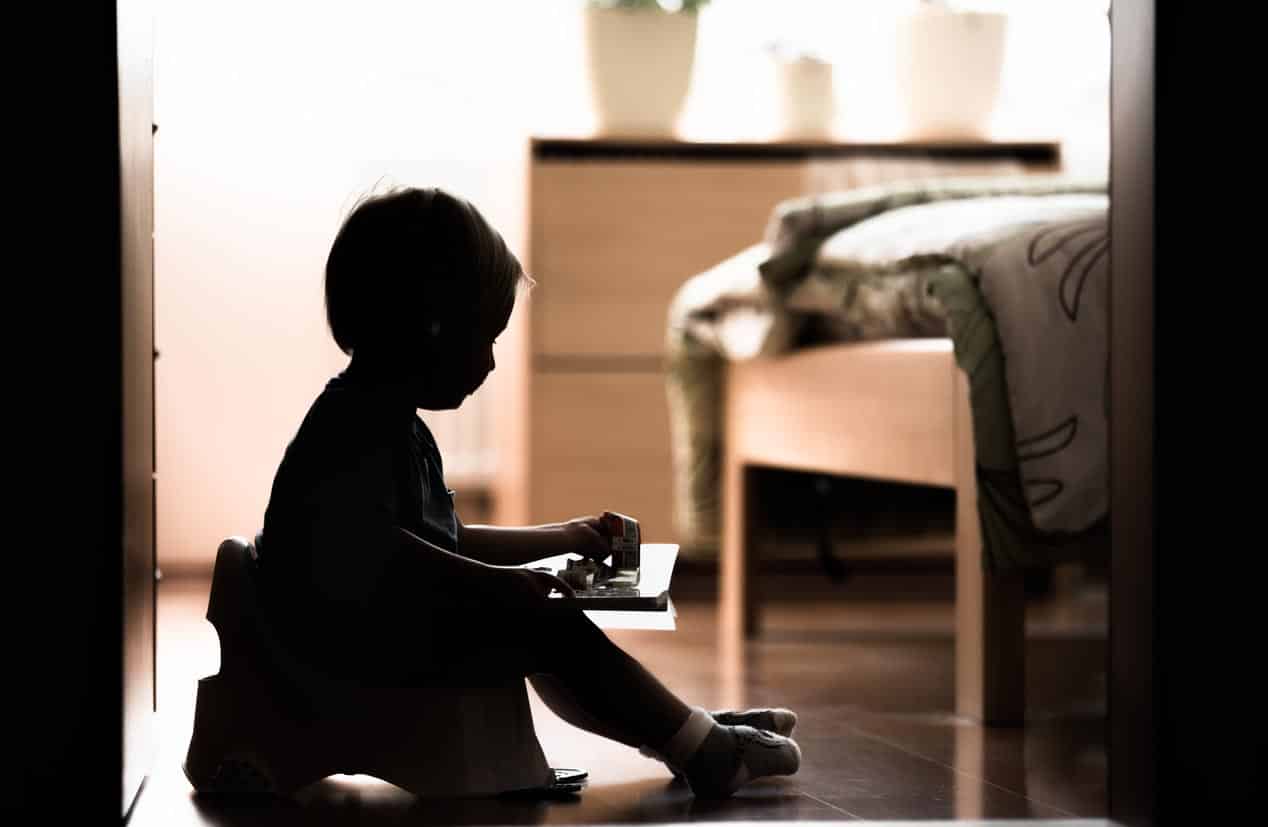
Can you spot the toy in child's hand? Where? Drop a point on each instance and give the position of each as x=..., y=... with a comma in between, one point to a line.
x=587, y=576
x=580, y=574
x=623, y=534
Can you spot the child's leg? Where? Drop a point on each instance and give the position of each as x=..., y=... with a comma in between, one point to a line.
x=583, y=676
x=555, y=695
x=594, y=684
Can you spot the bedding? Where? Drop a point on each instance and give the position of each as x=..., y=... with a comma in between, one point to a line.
x=1014, y=271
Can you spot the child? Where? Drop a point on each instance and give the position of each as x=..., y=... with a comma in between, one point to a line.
x=366, y=569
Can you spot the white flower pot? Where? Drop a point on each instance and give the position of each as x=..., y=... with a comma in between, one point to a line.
x=949, y=66
x=807, y=104
x=640, y=68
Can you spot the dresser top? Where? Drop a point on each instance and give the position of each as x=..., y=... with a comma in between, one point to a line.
x=548, y=148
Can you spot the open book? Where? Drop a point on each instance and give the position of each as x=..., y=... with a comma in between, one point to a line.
x=648, y=606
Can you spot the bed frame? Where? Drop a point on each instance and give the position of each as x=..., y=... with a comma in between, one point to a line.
x=893, y=410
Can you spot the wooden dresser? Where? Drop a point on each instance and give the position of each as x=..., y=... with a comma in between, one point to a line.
x=616, y=227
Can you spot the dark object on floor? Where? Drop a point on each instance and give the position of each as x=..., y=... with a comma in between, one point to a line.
x=567, y=784
x=833, y=566
x=1038, y=582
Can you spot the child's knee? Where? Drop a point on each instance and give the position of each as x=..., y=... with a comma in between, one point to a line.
x=570, y=636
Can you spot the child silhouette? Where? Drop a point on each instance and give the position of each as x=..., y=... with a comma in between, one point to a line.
x=366, y=570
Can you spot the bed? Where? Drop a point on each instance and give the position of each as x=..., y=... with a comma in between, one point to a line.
x=947, y=333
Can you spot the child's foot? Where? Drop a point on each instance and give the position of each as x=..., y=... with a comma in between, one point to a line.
x=778, y=720
x=731, y=756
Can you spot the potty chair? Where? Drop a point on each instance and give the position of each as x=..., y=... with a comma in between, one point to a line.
x=269, y=723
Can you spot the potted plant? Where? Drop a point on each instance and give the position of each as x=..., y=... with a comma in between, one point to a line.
x=949, y=66
x=641, y=54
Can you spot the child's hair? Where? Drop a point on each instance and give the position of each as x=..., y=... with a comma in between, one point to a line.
x=415, y=261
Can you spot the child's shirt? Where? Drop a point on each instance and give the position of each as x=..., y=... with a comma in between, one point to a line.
x=361, y=464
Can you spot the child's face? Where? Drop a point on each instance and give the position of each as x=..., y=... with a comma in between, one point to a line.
x=458, y=368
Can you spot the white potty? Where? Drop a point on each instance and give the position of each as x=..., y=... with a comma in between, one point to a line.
x=268, y=723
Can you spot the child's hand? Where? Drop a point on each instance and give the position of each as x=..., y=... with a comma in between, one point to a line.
x=530, y=588
x=582, y=537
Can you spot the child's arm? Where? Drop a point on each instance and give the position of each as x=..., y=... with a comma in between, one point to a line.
x=517, y=546
x=463, y=577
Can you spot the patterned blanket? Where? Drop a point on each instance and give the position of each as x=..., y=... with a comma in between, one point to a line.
x=1014, y=271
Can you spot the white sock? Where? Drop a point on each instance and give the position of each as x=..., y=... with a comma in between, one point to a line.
x=778, y=720
x=717, y=759
x=679, y=749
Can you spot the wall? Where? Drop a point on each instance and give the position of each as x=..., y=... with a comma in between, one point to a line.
x=273, y=119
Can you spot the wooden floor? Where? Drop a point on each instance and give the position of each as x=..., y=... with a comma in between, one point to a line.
x=868, y=667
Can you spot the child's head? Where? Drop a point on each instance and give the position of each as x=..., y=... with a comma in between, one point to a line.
x=418, y=285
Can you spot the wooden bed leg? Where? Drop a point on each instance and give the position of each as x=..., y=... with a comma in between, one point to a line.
x=737, y=612
x=739, y=594
x=990, y=616
x=753, y=590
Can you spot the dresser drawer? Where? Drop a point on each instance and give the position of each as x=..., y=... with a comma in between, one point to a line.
x=643, y=495
x=612, y=241
x=585, y=419
x=601, y=440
